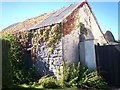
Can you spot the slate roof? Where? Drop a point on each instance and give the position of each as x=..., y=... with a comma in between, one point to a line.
x=57, y=16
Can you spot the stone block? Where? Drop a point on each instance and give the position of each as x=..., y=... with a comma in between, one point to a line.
x=54, y=55
x=50, y=58
x=60, y=52
x=57, y=46
x=45, y=59
x=42, y=56
x=55, y=51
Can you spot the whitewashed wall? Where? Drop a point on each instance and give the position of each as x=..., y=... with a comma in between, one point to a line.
x=87, y=54
x=86, y=17
x=71, y=46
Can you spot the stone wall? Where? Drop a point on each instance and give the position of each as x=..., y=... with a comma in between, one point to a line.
x=68, y=46
x=70, y=39
x=49, y=64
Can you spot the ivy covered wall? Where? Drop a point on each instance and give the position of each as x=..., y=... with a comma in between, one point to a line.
x=49, y=46
x=46, y=48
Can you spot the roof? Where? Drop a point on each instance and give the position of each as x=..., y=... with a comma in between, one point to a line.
x=57, y=16
x=11, y=25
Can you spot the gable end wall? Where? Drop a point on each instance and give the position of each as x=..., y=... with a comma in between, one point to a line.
x=87, y=18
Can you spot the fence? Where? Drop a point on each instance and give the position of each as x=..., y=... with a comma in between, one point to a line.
x=108, y=63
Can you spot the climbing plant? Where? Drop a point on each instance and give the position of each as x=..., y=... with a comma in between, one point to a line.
x=49, y=36
x=20, y=74
x=71, y=22
x=83, y=30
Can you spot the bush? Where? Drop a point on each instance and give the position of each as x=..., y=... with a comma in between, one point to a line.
x=73, y=77
x=81, y=77
x=48, y=82
x=18, y=72
x=6, y=67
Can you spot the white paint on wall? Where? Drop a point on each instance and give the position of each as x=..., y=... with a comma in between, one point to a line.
x=71, y=46
x=90, y=60
x=87, y=18
x=87, y=54
x=82, y=53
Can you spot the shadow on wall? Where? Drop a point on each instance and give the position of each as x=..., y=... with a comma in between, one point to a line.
x=27, y=56
x=85, y=33
x=42, y=68
x=86, y=48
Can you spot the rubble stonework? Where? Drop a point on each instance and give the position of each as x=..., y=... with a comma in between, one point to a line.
x=49, y=64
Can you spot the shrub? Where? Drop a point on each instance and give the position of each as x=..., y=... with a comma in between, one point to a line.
x=48, y=82
x=81, y=77
x=19, y=73
x=73, y=77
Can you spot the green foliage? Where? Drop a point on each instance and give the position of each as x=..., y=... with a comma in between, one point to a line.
x=117, y=41
x=50, y=36
x=81, y=77
x=51, y=50
x=33, y=85
x=73, y=77
x=48, y=82
x=66, y=72
x=19, y=73
x=6, y=67
x=83, y=30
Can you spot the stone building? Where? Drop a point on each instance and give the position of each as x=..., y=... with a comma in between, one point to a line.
x=58, y=36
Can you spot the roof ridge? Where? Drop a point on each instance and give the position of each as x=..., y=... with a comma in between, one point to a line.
x=59, y=15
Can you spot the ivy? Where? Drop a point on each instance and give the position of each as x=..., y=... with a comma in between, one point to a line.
x=50, y=36
x=29, y=40
x=71, y=22
x=20, y=74
x=83, y=30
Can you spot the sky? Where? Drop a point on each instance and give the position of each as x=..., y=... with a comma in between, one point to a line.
x=13, y=12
